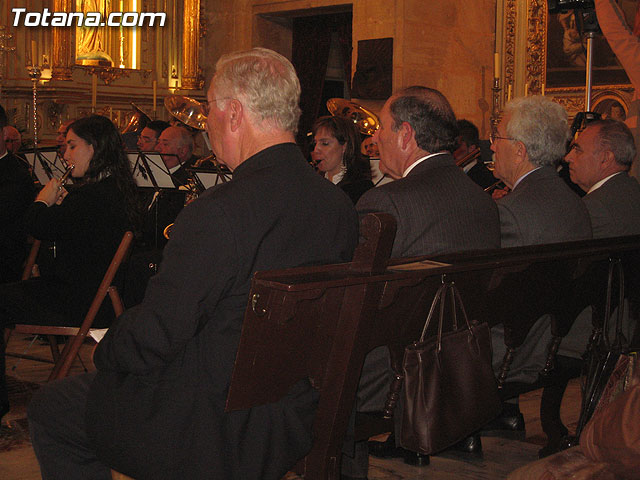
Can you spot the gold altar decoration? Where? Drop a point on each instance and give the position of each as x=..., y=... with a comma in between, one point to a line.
x=190, y=45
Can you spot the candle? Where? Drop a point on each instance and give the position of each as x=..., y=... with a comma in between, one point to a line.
x=509, y=93
x=34, y=53
x=94, y=92
x=526, y=89
x=155, y=94
x=543, y=89
x=496, y=65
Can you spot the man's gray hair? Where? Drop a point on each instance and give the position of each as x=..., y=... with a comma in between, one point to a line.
x=615, y=137
x=266, y=84
x=541, y=125
x=430, y=115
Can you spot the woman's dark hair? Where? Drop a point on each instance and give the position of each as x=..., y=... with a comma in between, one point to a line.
x=346, y=132
x=109, y=159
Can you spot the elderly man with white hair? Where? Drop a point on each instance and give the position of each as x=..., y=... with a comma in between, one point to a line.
x=155, y=408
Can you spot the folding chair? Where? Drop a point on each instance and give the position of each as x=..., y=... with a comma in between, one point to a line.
x=63, y=360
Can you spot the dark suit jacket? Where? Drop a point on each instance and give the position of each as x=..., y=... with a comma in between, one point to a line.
x=542, y=209
x=16, y=194
x=481, y=175
x=356, y=188
x=438, y=210
x=615, y=207
x=156, y=407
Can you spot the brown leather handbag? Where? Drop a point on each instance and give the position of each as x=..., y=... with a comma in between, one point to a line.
x=450, y=390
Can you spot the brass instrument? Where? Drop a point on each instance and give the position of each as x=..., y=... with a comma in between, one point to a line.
x=188, y=110
x=366, y=121
x=138, y=121
x=65, y=176
x=468, y=158
x=497, y=185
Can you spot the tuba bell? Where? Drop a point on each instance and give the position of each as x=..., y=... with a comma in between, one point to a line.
x=137, y=122
x=366, y=121
x=188, y=110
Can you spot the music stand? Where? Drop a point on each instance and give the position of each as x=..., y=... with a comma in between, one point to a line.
x=149, y=170
x=209, y=177
x=45, y=163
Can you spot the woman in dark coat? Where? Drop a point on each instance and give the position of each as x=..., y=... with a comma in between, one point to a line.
x=337, y=154
x=86, y=224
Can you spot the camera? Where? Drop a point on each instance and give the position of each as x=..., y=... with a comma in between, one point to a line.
x=556, y=6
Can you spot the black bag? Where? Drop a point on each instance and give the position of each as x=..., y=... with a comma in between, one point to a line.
x=449, y=386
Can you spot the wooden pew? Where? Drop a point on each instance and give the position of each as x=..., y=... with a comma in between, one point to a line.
x=320, y=322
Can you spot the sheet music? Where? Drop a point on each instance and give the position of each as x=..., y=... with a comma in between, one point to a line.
x=211, y=178
x=146, y=167
x=45, y=164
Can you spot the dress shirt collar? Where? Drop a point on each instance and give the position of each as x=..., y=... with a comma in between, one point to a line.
x=524, y=176
x=6, y=152
x=337, y=177
x=597, y=185
x=420, y=160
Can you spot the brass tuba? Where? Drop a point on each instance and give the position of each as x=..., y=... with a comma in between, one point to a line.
x=366, y=121
x=137, y=122
x=188, y=110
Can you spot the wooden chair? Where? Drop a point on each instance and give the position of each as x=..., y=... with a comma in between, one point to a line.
x=64, y=359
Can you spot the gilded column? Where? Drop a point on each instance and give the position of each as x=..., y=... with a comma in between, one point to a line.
x=61, y=39
x=190, y=45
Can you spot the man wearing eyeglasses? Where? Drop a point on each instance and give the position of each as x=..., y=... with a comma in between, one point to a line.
x=529, y=141
x=155, y=408
x=599, y=163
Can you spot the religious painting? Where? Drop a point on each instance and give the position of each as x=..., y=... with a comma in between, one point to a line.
x=611, y=106
x=567, y=52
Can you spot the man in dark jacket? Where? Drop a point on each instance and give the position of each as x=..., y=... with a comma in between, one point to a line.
x=155, y=408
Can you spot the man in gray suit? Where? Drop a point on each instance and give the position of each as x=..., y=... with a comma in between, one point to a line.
x=541, y=208
x=529, y=141
x=438, y=209
x=599, y=162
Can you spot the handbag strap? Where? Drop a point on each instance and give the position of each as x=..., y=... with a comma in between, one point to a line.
x=440, y=296
x=614, y=265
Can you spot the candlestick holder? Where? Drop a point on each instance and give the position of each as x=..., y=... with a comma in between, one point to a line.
x=34, y=75
x=495, y=112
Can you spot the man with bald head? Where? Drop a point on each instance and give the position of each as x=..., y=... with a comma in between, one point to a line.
x=12, y=139
x=177, y=142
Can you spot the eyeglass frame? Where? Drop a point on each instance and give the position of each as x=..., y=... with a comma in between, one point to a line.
x=205, y=104
x=493, y=137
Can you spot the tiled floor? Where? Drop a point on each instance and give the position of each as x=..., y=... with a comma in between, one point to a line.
x=500, y=455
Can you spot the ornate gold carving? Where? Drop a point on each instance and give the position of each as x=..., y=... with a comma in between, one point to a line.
x=108, y=74
x=190, y=45
x=61, y=45
x=510, y=46
x=536, y=45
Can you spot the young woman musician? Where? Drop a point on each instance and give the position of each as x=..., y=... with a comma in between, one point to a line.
x=86, y=225
x=337, y=154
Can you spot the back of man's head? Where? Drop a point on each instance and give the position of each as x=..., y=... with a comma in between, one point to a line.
x=615, y=137
x=430, y=116
x=266, y=84
x=468, y=133
x=541, y=125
